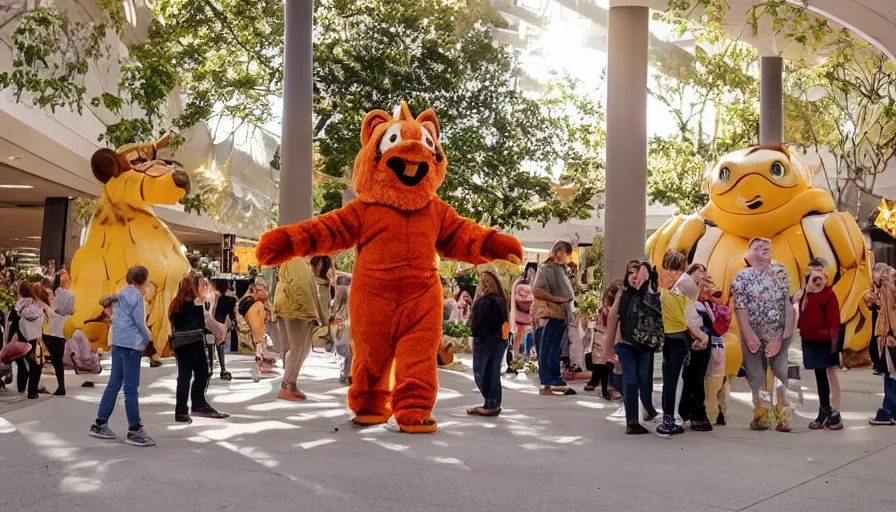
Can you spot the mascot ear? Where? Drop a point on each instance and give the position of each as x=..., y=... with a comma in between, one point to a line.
x=106, y=164
x=428, y=119
x=373, y=119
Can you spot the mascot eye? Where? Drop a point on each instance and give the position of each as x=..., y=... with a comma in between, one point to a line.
x=427, y=141
x=391, y=138
x=725, y=174
x=778, y=170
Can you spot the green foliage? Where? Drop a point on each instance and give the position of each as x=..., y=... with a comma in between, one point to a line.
x=195, y=203
x=713, y=104
x=7, y=299
x=85, y=210
x=859, y=86
x=440, y=54
x=458, y=330
x=345, y=261
x=594, y=263
x=589, y=302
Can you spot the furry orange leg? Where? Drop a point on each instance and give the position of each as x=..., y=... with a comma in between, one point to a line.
x=372, y=351
x=416, y=382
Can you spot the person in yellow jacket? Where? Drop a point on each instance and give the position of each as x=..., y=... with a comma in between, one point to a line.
x=298, y=309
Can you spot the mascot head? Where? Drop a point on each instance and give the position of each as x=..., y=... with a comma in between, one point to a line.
x=401, y=163
x=757, y=180
x=126, y=170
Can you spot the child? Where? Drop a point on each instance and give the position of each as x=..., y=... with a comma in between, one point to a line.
x=596, y=333
x=692, y=407
x=130, y=335
x=819, y=324
x=681, y=327
x=717, y=386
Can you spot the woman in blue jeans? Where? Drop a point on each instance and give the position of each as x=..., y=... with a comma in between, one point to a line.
x=553, y=287
x=489, y=324
x=637, y=363
x=886, y=298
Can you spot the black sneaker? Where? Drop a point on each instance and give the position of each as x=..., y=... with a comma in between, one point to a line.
x=226, y=376
x=820, y=421
x=720, y=420
x=636, y=430
x=668, y=429
x=651, y=417
x=677, y=429
x=701, y=426
x=183, y=418
x=834, y=420
x=154, y=364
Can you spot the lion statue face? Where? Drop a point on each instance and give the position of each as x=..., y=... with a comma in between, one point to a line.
x=401, y=163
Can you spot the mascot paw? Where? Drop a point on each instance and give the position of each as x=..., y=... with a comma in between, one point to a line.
x=416, y=422
x=274, y=247
x=366, y=420
x=503, y=247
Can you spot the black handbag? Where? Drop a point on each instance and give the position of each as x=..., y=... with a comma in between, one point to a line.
x=182, y=338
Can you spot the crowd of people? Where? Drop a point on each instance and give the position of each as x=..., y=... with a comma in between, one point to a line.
x=675, y=312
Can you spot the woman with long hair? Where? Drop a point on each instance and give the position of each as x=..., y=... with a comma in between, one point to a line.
x=886, y=414
x=26, y=320
x=187, y=315
x=637, y=362
x=489, y=325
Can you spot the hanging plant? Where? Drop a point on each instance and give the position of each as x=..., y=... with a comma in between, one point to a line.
x=85, y=209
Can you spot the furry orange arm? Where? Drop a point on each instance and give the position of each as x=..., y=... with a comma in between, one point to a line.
x=333, y=232
x=462, y=239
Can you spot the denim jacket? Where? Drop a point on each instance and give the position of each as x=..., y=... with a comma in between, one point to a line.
x=129, y=328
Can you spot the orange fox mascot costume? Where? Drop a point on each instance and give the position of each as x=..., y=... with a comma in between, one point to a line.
x=396, y=224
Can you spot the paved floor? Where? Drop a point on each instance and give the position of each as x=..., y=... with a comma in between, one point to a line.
x=543, y=453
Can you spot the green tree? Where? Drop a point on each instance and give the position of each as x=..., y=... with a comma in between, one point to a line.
x=440, y=54
x=713, y=106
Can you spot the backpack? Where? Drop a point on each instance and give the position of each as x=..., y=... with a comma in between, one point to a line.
x=723, y=319
x=644, y=327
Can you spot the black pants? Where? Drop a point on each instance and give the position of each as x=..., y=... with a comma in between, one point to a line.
x=56, y=346
x=824, y=388
x=191, y=365
x=693, y=393
x=675, y=349
x=28, y=375
x=219, y=347
x=600, y=376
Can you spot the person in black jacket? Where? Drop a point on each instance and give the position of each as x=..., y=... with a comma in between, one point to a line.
x=225, y=307
x=187, y=315
x=489, y=324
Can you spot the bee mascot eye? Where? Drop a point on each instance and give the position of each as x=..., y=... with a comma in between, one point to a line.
x=725, y=174
x=778, y=170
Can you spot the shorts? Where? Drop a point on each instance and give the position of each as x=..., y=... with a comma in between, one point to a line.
x=756, y=365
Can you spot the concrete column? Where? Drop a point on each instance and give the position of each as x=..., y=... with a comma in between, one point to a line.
x=61, y=234
x=626, y=195
x=771, y=101
x=295, y=144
